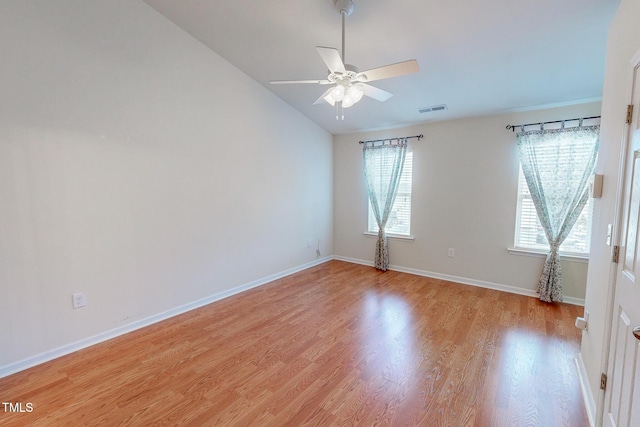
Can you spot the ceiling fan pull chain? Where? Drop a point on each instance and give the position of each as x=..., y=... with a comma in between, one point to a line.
x=339, y=111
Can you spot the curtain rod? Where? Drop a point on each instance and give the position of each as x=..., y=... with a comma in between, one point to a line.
x=393, y=139
x=541, y=124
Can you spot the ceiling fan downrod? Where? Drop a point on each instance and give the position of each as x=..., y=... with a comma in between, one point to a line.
x=344, y=8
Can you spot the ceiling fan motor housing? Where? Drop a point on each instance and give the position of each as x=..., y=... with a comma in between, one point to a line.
x=350, y=74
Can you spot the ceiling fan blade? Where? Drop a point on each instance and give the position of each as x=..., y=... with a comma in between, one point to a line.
x=323, y=96
x=393, y=70
x=289, y=82
x=332, y=58
x=375, y=93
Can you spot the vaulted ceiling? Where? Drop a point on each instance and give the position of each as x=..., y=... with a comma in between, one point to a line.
x=476, y=57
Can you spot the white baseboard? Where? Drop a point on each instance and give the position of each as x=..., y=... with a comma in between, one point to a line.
x=457, y=279
x=587, y=396
x=48, y=355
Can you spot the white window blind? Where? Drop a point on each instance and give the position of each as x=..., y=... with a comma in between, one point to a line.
x=529, y=231
x=400, y=218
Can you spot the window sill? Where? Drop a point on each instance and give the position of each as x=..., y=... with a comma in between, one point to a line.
x=583, y=258
x=390, y=236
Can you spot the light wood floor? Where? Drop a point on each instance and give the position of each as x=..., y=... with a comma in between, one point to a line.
x=337, y=344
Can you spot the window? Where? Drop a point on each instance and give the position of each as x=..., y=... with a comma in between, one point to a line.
x=530, y=234
x=400, y=218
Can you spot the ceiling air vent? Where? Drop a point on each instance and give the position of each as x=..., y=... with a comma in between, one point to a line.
x=432, y=109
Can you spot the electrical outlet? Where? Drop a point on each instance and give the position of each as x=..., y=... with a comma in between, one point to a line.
x=79, y=300
x=452, y=253
x=309, y=243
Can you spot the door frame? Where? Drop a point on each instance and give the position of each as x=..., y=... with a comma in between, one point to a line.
x=604, y=398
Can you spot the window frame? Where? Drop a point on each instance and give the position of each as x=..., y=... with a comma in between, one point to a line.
x=370, y=220
x=542, y=250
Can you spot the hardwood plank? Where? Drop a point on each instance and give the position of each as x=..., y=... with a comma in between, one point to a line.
x=337, y=344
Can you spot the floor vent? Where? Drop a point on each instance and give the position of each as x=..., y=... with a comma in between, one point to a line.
x=432, y=109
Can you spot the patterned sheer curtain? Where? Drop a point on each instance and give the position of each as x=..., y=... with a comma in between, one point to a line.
x=557, y=165
x=382, y=170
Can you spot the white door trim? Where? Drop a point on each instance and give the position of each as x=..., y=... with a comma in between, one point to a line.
x=607, y=364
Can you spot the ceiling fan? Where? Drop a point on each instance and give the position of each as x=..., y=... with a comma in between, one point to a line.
x=348, y=84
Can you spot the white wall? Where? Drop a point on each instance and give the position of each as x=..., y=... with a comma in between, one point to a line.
x=623, y=44
x=141, y=168
x=465, y=176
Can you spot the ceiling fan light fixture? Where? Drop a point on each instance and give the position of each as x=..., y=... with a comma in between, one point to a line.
x=355, y=92
x=347, y=95
x=337, y=94
x=347, y=102
x=329, y=100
